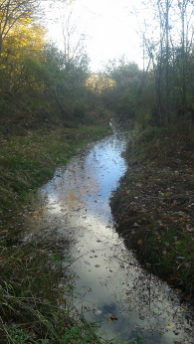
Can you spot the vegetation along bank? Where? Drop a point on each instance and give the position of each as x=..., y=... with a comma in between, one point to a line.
x=154, y=205
x=50, y=106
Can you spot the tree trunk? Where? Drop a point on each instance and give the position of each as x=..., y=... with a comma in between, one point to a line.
x=167, y=60
x=59, y=103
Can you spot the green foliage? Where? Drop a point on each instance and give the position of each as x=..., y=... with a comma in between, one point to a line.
x=80, y=334
x=32, y=72
x=137, y=340
x=19, y=335
x=124, y=96
x=28, y=161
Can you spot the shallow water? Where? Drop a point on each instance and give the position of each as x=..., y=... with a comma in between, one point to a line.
x=107, y=277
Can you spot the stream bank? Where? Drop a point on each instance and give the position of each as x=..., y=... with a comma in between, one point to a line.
x=71, y=250
x=154, y=205
x=105, y=281
x=27, y=161
x=30, y=272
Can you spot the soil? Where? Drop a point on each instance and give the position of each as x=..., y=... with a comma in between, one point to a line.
x=154, y=207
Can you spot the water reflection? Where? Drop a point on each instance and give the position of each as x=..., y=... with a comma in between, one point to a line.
x=108, y=279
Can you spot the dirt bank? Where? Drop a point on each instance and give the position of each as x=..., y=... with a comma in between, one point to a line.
x=154, y=205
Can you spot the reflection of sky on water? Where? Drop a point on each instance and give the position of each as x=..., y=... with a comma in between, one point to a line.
x=108, y=279
x=89, y=180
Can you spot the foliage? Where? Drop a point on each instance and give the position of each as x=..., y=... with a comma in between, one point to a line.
x=13, y=12
x=132, y=97
x=35, y=316
x=39, y=84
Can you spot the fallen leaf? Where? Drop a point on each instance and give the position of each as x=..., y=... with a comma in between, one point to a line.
x=39, y=273
x=139, y=242
x=87, y=263
x=189, y=228
x=178, y=291
x=128, y=293
x=86, y=309
x=187, y=298
x=62, y=301
x=113, y=317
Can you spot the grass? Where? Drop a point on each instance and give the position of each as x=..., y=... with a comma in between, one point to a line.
x=30, y=301
x=156, y=195
x=33, y=309
x=28, y=161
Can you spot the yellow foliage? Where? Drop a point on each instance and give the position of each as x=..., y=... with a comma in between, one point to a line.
x=23, y=40
x=23, y=47
x=98, y=83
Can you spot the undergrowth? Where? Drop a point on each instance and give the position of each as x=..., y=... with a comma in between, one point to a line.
x=28, y=161
x=154, y=206
x=33, y=309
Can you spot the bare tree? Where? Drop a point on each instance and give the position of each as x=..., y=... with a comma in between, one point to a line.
x=182, y=5
x=167, y=59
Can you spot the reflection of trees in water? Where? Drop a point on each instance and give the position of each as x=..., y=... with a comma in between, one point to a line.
x=142, y=292
x=113, y=144
x=150, y=298
x=128, y=325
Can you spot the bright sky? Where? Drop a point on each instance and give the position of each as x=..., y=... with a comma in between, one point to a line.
x=110, y=29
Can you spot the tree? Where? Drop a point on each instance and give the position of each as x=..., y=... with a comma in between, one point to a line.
x=23, y=48
x=169, y=48
x=13, y=11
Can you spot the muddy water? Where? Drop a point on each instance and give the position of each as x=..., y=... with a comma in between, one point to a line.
x=108, y=280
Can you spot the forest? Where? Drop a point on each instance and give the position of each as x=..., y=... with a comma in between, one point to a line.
x=38, y=80
x=52, y=105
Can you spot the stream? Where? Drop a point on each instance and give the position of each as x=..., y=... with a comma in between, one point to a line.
x=108, y=280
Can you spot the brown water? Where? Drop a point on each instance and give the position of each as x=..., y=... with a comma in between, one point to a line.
x=108, y=280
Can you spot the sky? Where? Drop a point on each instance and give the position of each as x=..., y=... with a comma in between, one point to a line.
x=109, y=27
x=112, y=28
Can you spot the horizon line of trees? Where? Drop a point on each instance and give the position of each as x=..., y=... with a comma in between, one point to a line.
x=39, y=80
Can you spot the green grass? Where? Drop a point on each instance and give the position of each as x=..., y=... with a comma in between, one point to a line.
x=32, y=307
x=29, y=296
x=28, y=161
